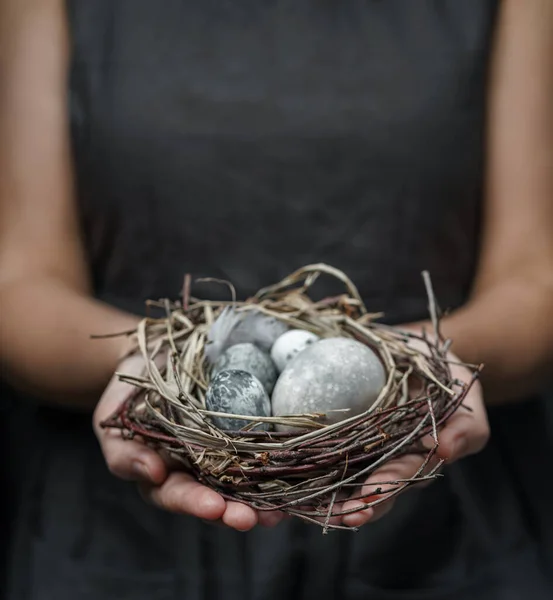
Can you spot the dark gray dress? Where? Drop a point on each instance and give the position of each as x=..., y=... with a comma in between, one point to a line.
x=242, y=139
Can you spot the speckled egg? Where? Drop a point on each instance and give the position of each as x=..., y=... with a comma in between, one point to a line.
x=289, y=345
x=248, y=357
x=332, y=374
x=240, y=393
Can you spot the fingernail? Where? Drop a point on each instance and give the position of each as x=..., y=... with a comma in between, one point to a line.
x=141, y=470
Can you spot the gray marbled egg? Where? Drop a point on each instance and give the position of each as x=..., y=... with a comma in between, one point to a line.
x=334, y=373
x=248, y=357
x=240, y=393
x=258, y=328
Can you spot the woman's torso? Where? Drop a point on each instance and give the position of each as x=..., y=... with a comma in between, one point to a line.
x=242, y=139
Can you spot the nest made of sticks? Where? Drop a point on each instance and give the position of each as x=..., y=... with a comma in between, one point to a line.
x=305, y=472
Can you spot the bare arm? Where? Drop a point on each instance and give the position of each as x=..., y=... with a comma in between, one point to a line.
x=47, y=314
x=508, y=322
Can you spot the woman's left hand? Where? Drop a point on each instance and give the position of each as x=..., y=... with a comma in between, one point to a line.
x=159, y=482
x=466, y=432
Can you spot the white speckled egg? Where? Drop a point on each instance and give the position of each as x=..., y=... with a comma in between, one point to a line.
x=239, y=393
x=248, y=357
x=333, y=373
x=289, y=345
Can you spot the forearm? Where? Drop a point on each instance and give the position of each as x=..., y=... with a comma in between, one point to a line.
x=508, y=328
x=45, y=342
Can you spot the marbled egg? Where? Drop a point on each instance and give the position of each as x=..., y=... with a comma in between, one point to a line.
x=333, y=373
x=248, y=357
x=289, y=345
x=240, y=393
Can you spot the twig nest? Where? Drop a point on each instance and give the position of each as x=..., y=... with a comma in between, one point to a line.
x=218, y=421
x=248, y=357
x=337, y=376
x=289, y=345
x=237, y=393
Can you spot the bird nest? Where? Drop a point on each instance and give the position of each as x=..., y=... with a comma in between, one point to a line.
x=306, y=470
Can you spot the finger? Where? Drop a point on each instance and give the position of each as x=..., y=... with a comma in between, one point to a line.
x=336, y=519
x=261, y=520
x=181, y=493
x=382, y=509
x=270, y=518
x=466, y=431
x=118, y=391
x=127, y=459
x=239, y=516
x=322, y=517
x=131, y=459
x=378, y=487
x=265, y=518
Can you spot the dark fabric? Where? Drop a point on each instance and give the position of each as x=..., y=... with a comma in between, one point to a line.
x=241, y=139
x=7, y=496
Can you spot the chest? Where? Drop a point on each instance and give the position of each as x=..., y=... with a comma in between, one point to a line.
x=339, y=126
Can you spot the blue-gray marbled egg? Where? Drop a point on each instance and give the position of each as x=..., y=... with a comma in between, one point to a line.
x=289, y=345
x=240, y=393
x=248, y=357
x=334, y=373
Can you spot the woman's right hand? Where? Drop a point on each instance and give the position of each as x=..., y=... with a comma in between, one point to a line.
x=168, y=489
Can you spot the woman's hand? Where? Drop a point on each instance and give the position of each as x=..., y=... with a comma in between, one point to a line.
x=168, y=489
x=466, y=432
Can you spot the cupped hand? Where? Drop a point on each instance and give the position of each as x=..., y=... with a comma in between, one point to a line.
x=159, y=483
x=466, y=432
